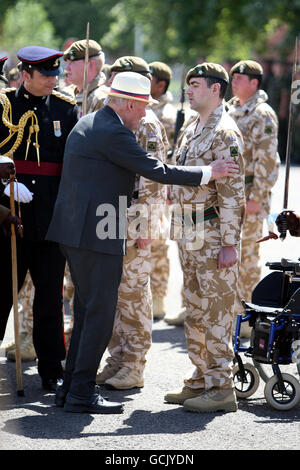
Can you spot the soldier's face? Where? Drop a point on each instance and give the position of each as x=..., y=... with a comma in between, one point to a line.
x=39, y=84
x=242, y=87
x=75, y=69
x=111, y=78
x=199, y=94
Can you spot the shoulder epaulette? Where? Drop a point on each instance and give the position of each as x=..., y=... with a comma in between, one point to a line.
x=64, y=97
x=7, y=90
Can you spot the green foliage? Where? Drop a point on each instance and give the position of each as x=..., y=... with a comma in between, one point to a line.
x=26, y=23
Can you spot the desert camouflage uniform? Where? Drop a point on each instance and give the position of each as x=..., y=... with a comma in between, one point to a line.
x=166, y=113
x=131, y=338
x=259, y=126
x=95, y=94
x=95, y=101
x=210, y=293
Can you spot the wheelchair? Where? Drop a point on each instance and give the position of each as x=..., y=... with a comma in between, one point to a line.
x=274, y=315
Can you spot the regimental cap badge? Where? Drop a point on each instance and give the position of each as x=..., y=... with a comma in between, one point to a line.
x=242, y=68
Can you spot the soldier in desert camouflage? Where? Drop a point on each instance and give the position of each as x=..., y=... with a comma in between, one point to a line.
x=166, y=113
x=131, y=338
x=259, y=126
x=210, y=267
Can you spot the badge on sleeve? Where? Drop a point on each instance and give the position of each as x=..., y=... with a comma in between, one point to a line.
x=234, y=151
x=151, y=146
x=57, y=129
x=268, y=126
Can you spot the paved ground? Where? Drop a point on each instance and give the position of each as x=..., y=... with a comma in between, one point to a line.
x=33, y=423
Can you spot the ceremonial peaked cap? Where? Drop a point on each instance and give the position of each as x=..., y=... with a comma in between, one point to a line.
x=43, y=59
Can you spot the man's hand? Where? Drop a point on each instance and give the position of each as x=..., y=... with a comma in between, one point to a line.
x=142, y=243
x=6, y=224
x=6, y=170
x=228, y=256
x=253, y=207
x=288, y=220
x=223, y=167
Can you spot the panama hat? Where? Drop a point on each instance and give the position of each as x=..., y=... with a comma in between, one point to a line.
x=131, y=86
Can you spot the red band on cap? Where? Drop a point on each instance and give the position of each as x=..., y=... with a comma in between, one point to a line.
x=136, y=95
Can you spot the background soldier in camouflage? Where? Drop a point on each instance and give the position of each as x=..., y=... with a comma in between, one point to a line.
x=74, y=57
x=210, y=265
x=166, y=113
x=131, y=338
x=259, y=126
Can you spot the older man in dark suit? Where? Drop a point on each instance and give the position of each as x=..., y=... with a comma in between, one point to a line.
x=100, y=163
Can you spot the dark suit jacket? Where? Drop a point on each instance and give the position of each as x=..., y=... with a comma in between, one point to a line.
x=100, y=162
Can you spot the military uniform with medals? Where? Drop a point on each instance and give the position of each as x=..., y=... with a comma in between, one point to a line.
x=38, y=151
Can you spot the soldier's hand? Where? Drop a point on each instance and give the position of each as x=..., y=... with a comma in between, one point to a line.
x=6, y=170
x=223, y=167
x=6, y=224
x=228, y=256
x=288, y=220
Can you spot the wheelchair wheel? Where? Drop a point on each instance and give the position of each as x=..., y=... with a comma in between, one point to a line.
x=265, y=370
x=287, y=399
x=248, y=388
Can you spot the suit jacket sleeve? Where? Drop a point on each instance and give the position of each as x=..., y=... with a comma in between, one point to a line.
x=124, y=151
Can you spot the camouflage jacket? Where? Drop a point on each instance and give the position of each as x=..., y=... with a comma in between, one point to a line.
x=152, y=137
x=95, y=95
x=166, y=113
x=258, y=124
x=219, y=137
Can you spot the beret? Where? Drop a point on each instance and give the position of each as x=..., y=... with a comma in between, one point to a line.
x=160, y=70
x=247, y=67
x=77, y=50
x=131, y=64
x=208, y=70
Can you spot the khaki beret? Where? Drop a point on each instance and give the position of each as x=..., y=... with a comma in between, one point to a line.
x=208, y=70
x=160, y=70
x=77, y=50
x=247, y=67
x=131, y=64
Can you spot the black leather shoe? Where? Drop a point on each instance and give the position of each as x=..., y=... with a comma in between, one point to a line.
x=96, y=404
x=60, y=396
x=51, y=384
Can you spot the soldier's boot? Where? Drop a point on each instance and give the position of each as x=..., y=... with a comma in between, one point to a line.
x=108, y=371
x=27, y=350
x=125, y=379
x=178, y=397
x=177, y=320
x=213, y=400
x=158, y=307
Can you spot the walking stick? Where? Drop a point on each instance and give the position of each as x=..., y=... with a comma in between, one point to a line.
x=20, y=390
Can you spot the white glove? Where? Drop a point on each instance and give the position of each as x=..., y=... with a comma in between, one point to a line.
x=20, y=189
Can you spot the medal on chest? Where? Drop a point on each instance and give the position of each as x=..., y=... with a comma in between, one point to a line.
x=57, y=128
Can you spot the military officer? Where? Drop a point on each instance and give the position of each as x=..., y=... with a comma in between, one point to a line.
x=209, y=260
x=131, y=338
x=75, y=59
x=42, y=120
x=259, y=125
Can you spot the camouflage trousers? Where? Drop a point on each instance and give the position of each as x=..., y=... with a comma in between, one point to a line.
x=250, y=268
x=132, y=331
x=209, y=296
x=160, y=268
x=25, y=301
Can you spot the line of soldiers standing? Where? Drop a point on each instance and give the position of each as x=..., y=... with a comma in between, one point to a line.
x=253, y=144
